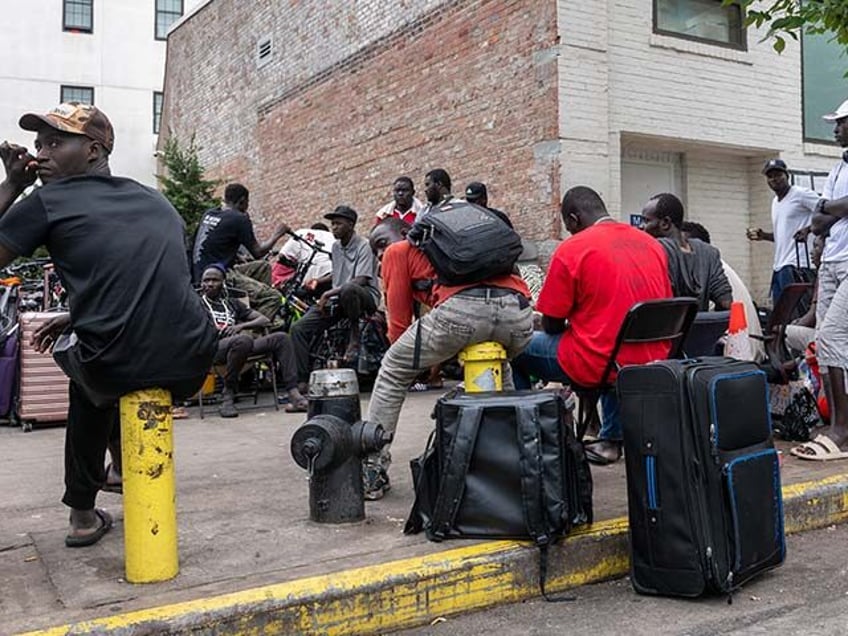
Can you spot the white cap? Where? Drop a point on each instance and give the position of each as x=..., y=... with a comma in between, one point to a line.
x=841, y=112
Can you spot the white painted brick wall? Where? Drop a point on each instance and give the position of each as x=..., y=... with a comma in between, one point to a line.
x=725, y=110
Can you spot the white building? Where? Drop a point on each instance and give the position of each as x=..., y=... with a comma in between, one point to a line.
x=677, y=96
x=109, y=52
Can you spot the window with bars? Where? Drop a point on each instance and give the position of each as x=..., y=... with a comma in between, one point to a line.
x=167, y=12
x=158, y=98
x=81, y=94
x=702, y=20
x=78, y=15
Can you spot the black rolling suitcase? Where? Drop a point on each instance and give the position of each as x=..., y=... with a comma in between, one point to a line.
x=502, y=466
x=703, y=477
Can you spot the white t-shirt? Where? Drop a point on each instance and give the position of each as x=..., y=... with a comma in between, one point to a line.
x=299, y=253
x=836, y=187
x=788, y=215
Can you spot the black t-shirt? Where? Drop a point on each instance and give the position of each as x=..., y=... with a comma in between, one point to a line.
x=118, y=248
x=219, y=236
x=226, y=312
x=502, y=216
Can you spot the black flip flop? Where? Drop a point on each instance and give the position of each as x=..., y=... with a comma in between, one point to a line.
x=73, y=541
x=596, y=458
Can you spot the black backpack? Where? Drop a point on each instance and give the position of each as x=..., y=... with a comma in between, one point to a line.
x=466, y=243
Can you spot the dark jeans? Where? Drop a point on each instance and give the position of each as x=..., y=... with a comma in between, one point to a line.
x=539, y=360
x=354, y=301
x=234, y=351
x=780, y=279
x=90, y=431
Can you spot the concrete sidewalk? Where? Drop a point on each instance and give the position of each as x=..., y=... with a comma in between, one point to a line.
x=252, y=562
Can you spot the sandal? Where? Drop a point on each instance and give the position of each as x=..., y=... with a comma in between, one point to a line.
x=83, y=540
x=298, y=407
x=821, y=449
x=597, y=451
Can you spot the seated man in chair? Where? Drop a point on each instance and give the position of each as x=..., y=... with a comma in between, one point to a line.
x=354, y=285
x=593, y=280
x=235, y=346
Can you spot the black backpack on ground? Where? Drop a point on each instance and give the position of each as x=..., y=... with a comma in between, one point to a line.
x=466, y=243
x=502, y=466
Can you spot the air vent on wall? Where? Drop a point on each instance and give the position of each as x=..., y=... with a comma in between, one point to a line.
x=264, y=49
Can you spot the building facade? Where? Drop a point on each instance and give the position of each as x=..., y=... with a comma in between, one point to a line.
x=313, y=105
x=106, y=52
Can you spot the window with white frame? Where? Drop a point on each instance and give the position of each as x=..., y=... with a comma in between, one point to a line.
x=158, y=99
x=80, y=94
x=78, y=15
x=167, y=12
x=702, y=20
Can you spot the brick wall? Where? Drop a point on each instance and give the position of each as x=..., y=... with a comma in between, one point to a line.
x=357, y=94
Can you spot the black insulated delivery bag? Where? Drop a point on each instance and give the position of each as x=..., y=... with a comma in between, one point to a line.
x=466, y=243
x=703, y=477
x=501, y=465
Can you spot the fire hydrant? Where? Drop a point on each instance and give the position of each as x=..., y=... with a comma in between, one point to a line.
x=331, y=444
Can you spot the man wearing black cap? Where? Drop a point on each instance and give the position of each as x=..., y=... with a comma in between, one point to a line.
x=134, y=320
x=354, y=283
x=476, y=193
x=791, y=213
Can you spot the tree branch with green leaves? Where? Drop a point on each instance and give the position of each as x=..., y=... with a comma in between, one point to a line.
x=791, y=18
x=185, y=185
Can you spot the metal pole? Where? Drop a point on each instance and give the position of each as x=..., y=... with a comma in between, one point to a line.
x=150, y=513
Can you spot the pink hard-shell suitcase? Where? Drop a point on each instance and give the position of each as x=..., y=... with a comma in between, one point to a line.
x=43, y=386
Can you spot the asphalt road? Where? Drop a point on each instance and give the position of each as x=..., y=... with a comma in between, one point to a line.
x=808, y=595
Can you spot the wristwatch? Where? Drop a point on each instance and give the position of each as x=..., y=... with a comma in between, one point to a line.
x=819, y=209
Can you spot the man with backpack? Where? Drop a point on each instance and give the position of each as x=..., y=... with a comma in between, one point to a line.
x=469, y=306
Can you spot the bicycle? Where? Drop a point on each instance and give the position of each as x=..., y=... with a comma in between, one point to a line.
x=295, y=301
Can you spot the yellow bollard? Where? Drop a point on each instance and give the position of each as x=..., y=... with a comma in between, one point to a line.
x=483, y=367
x=150, y=513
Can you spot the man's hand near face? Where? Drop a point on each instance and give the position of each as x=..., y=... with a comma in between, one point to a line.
x=20, y=166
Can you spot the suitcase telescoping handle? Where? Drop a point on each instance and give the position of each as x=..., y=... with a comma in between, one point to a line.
x=798, y=245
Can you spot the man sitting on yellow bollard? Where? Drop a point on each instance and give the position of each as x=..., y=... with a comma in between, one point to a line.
x=497, y=309
x=134, y=320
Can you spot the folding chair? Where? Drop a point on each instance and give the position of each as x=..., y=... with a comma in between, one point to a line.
x=648, y=321
x=704, y=333
x=774, y=334
x=256, y=362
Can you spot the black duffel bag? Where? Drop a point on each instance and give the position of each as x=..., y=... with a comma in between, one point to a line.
x=502, y=466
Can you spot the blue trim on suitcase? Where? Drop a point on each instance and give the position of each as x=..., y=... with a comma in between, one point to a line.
x=778, y=520
x=651, y=474
x=734, y=376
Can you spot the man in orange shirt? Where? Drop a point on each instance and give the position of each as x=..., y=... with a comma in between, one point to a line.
x=497, y=309
x=593, y=280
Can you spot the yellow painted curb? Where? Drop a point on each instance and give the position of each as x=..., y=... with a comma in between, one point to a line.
x=413, y=591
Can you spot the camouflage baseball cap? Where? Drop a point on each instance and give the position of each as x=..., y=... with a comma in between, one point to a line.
x=74, y=118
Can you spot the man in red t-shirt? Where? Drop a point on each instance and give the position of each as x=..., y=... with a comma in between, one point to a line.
x=497, y=309
x=404, y=205
x=594, y=278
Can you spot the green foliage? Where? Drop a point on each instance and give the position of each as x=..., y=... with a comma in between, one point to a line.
x=790, y=18
x=184, y=185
